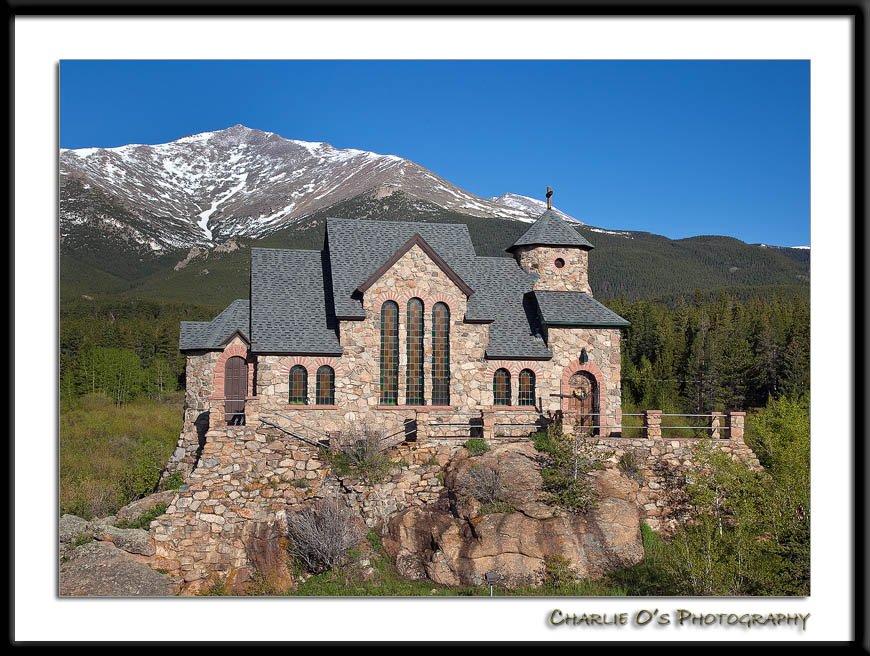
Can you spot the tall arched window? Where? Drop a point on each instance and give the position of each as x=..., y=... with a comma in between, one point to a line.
x=501, y=387
x=389, y=353
x=440, y=354
x=527, y=387
x=298, y=385
x=414, y=372
x=325, y=386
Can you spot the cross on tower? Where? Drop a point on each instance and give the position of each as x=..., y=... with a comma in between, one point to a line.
x=549, y=193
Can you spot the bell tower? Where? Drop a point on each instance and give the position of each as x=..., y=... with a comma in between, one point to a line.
x=555, y=252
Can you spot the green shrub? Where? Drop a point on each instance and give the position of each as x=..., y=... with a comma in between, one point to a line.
x=557, y=570
x=569, y=459
x=174, y=481
x=362, y=454
x=631, y=464
x=144, y=520
x=496, y=507
x=476, y=446
x=375, y=541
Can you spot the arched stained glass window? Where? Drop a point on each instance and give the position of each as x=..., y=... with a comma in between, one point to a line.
x=325, y=385
x=298, y=385
x=501, y=387
x=389, y=353
x=414, y=372
x=440, y=354
x=527, y=387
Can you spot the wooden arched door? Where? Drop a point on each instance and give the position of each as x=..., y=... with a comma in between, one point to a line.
x=235, y=389
x=582, y=406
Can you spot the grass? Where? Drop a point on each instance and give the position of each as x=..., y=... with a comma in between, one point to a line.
x=385, y=581
x=144, y=520
x=111, y=455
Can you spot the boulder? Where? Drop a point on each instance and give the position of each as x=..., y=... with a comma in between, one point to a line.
x=267, y=551
x=131, y=540
x=71, y=527
x=459, y=546
x=139, y=507
x=99, y=569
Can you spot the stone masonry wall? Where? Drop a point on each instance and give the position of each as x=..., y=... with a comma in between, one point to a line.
x=247, y=478
x=199, y=374
x=572, y=277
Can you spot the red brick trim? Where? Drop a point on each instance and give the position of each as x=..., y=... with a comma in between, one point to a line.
x=514, y=367
x=418, y=408
x=231, y=351
x=600, y=383
x=311, y=364
x=429, y=301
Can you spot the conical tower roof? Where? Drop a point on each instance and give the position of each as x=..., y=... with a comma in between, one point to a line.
x=550, y=230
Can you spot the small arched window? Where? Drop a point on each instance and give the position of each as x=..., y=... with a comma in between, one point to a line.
x=440, y=354
x=298, y=385
x=390, y=353
x=325, y=386
x=414, y=372
x=501, y=387
x=527, y=387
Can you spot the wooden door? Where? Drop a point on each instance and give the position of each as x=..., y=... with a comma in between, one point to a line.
x=582, y=403
x=235, y=389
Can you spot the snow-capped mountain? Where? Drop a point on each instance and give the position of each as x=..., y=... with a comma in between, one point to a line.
x=529, y=206
x=206, y=188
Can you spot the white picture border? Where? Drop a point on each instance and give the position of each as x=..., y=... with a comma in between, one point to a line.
x=41, y=42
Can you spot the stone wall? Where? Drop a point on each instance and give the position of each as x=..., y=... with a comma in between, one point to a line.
x=247, y=479
x=663, y=463
x=572, y=277
x=199, y=374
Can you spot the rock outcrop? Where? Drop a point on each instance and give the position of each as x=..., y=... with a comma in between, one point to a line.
x=458, y=546
x=98, y=559
x=100, y=569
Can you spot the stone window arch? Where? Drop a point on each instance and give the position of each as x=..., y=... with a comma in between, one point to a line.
x=527, y=388
x=325, y=386
x=440, y=354
x=501, y=387
x=298, y=385
x=414, y=346
x=389, y=360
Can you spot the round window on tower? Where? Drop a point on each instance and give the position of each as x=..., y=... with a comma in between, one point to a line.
x=559, y=262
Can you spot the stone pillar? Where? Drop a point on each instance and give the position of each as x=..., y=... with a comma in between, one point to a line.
x=422, y=419
x=488, y=424
x=652, y=421
x=216, y=413
x=715, y=423
x=252, y=410
x=736, y=423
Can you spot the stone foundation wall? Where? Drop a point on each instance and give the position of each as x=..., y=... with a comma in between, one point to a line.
x=199, y=374
x=246, y=479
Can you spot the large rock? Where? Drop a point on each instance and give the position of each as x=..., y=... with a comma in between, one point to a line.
x=266, y=547
x=71, y=527
x=459, y=547
x=99, y=569
x=139, y=507
x=131, y=540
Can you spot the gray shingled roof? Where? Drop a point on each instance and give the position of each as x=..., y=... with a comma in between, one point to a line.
x=204, y=335
x=357, y=248
x=500, y=297
x=575, y=309
x=550, y=230
x=291, y=304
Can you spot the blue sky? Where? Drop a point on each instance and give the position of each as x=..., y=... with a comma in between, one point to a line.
x=677, y=148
